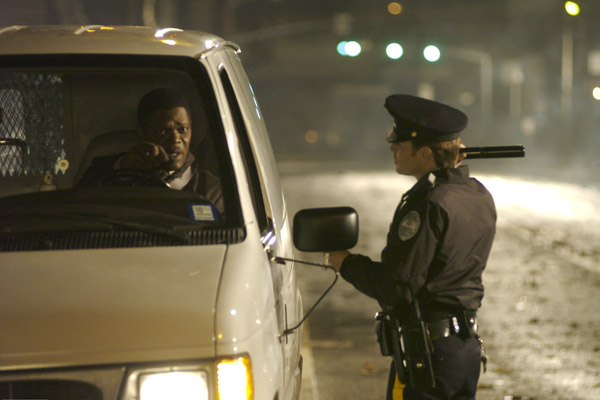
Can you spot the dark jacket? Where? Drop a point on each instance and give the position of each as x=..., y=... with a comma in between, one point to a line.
x=439, y=242
x=202, y=182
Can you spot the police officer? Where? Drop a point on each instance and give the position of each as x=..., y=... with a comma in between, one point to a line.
x=437, y=247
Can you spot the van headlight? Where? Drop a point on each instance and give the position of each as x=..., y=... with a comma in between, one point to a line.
x=231, y=380
x=184, y=385
x=168, y=382
x=234, y=379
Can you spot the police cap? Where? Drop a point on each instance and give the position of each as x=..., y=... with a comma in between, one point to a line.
x=424, y=120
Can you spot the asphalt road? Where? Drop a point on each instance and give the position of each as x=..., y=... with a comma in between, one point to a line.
x=539, y=319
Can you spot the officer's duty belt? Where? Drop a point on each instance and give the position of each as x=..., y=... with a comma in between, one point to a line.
x=463, y=325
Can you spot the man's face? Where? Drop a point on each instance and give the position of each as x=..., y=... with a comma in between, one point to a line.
x=405, y=158
x=172, y=130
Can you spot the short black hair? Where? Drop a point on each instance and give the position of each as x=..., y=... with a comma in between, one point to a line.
x=160, y=99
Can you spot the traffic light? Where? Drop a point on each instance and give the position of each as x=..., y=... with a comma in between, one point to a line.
x=394, y=50
x=432, y=53
x=349, y=48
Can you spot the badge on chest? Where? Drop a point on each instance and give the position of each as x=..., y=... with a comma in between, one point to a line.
x=409, y=225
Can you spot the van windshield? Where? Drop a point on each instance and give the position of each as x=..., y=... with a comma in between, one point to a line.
x=112, y=145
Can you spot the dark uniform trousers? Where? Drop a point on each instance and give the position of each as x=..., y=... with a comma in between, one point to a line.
x=456, y=365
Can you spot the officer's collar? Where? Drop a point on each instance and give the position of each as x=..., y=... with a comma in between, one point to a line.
x=450, y=175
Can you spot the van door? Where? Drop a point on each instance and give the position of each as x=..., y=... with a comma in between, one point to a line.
x=269, y=207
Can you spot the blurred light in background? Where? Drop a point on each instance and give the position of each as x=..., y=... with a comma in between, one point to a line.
x=432, y=53
x=394, y=8
x=520, y=199
x=572, y=8
x=353, y=48
x=394, y=51
x=311, y=137
x=341, y=48
x=528, y=126
x=466, y=99
x=596, y=93
x=349, y=48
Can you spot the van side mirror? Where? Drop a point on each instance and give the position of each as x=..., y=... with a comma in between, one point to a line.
x=325, y=229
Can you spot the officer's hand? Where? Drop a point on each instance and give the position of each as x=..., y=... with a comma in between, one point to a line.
x=146, y=156
x=336, y=258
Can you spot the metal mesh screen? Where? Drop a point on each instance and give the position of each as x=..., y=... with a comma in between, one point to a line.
x=31, y=123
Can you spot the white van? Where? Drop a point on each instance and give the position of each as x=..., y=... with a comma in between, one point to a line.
x=128, y=288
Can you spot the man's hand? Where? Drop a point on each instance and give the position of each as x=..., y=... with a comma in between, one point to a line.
x=336, y=258
x=145, y=156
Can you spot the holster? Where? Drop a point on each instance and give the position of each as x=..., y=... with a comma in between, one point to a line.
x=418, y=348
x=383, y=330
x=410, y=346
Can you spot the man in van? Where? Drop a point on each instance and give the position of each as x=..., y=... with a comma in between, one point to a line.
x=164, y=127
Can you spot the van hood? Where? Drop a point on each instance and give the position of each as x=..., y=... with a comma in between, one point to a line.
x=83, y=307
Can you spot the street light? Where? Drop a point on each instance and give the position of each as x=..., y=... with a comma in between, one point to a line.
x=394, y=8
x=572, y=8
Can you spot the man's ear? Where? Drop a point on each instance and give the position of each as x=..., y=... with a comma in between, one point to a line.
x=425, y=153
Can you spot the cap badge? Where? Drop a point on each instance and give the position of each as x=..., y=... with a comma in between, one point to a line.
x=414, y=134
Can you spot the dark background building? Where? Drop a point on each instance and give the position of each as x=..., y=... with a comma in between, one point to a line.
x=524, y=72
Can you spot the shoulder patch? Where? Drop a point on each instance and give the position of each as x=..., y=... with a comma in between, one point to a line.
x=409, y=226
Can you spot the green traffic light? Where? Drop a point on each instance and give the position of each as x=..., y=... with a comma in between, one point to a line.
x=394, y=51
x=353, y=48
x=349, y=48
x=432, y=53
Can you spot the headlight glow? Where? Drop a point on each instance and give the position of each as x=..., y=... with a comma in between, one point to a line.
x=181, y=385
x=234, y=379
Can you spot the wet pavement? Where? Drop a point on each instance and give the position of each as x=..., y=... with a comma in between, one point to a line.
x=539, y=319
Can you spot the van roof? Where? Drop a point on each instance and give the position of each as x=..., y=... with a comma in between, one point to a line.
x=105, y=39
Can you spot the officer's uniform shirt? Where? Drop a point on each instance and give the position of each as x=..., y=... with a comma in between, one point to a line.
x=439, y=242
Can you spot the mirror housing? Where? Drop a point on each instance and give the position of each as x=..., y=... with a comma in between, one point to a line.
x=325, y=229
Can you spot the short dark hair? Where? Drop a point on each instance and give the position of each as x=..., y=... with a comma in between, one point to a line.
x=160, y=99
x=445, y=153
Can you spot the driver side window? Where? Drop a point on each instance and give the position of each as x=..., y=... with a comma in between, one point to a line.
x=249, y=160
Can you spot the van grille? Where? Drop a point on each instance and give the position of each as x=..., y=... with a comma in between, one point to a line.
x=49, y=390
x=11, y=242
x=62, y=384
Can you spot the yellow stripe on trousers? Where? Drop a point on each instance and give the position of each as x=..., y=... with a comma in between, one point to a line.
x=397, y=392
